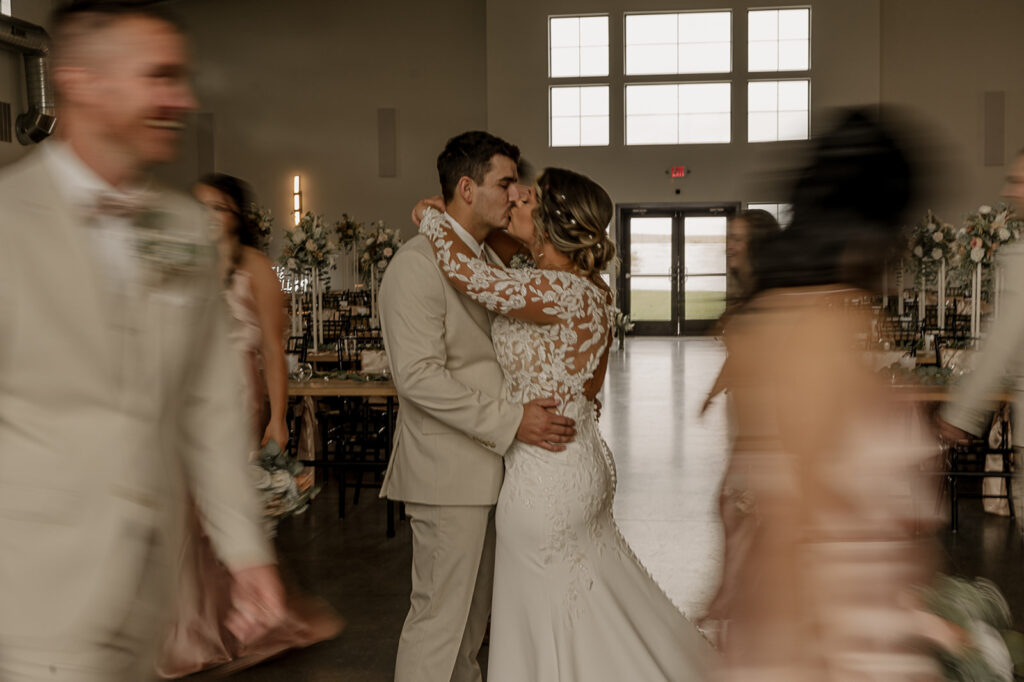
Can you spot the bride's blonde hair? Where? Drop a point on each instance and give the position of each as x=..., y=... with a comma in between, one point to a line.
x=574, y=213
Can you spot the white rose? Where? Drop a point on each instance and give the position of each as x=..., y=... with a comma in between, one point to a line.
x=918, y=251
x=298, y=236
x=369, y=241
x=931, y=227
x=388, y=252
x=1004, y=234
x=937, y=237
x=977, y=254
x=381, y=264
x=381, y=237
x=310, y=244
x=984, y=209
x=936, y=254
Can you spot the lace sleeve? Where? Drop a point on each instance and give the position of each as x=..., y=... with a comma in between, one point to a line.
x=541, y=296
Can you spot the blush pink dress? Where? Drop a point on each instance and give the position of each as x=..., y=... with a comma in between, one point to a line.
x=198, y=639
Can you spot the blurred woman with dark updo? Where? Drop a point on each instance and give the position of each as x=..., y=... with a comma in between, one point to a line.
x=571, y=601
x=824, y=492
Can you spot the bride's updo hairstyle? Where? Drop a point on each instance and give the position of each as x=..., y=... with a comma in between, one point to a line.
x=573, y=214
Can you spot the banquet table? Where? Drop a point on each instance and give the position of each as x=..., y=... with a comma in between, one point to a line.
x=352, y=388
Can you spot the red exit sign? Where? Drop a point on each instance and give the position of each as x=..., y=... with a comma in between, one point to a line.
x=678, y=171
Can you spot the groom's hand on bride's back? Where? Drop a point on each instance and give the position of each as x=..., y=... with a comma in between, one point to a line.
x=542, y=427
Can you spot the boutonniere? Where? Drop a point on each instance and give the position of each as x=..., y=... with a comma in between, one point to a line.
x=169, y=253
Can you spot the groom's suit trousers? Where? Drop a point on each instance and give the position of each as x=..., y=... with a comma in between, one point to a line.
x=452, y=575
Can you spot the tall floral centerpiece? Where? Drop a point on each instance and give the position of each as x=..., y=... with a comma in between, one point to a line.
x=349, y=231
x=309, y=248
x=983, y=233
x=379, y=245
x=935, y=252
x=263, y=219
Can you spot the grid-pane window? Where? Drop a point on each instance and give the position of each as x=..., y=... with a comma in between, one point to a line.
x=578, y=46
x=579, y=116
x=782, y=212
x=5, y=7
x=778, y=40
x=778, y=110
x=687, y=42
x=678, y=113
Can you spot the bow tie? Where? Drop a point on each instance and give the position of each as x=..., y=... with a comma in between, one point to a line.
x=117, y=205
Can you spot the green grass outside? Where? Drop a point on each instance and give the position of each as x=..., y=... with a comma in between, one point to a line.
x=650, y=306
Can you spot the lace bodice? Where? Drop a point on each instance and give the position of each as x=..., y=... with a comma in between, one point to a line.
x=555, y=327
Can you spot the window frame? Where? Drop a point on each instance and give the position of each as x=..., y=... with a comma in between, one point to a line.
x=713, y=75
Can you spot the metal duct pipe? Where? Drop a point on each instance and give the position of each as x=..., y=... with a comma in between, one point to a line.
x=33, y=44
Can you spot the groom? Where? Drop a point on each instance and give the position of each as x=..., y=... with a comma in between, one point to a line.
x=118, y=387
x=453, y=427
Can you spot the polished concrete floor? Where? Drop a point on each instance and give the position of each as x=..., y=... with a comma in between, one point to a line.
x=669, y=460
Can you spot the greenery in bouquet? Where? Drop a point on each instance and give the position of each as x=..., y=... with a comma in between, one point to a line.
x=933, y=241
x=348, y=230
x=983, y=646
x=309, y=245
x=263, y=219
x=380, y=244
x=983, y=233
x=284, y=484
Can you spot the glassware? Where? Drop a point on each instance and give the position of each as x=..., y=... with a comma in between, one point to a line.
x=304, y=371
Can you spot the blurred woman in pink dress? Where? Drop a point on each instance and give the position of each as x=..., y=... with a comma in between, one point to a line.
x=199, y=639
x=824, y=495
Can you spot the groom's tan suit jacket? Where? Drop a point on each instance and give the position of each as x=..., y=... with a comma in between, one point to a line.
x=452, y=423
x=113, y=399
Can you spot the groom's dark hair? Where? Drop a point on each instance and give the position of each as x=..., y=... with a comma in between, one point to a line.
x=469, y=155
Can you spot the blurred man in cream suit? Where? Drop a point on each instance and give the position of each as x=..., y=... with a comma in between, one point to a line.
x=970, y=411
x=118, y=389
x=453, y=427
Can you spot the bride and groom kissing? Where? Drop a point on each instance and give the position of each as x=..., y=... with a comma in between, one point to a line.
x=498, y=457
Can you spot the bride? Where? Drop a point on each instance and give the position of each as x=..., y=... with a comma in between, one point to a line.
x=571, y=600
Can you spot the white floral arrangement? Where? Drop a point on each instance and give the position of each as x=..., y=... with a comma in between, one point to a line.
x=984, y=231
x=380, y=244
x=309, y=245
x=348, y=230
x=263, y=219
x=933, y=241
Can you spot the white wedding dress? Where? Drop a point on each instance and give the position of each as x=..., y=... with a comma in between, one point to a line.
x=571, y=601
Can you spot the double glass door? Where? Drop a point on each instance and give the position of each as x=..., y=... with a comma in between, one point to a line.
x=673, y=273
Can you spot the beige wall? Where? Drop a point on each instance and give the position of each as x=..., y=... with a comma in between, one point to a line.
x=845, y=71
x=939, y=57
x=12, y=76
x=295, y=88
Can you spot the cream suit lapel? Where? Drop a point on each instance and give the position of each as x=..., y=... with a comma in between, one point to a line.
x=90, y=313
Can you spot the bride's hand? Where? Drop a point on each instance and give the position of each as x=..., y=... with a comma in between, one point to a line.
x=423, y=204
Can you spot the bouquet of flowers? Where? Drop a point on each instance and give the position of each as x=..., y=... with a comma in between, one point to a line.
x=974, y=639
x=984, y=231
x=285, y=485
x=933, y=241
x=309, y=245
x=521, y=261
x=623, y=326
x=380, y=244
x=348, y=230
x=264, y=221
